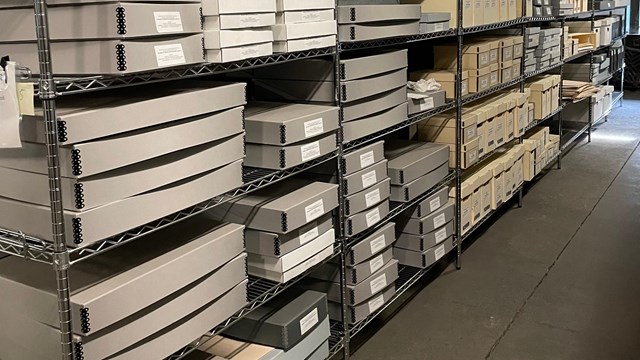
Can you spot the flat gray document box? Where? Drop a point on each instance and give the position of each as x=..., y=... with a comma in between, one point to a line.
x=355, y=274
x=430, y=222
x=372, y=244
x=362, y=158
x=426, y=241
x=362, y=67
x=288, y=156
x=348, y=14
x=361, y=221
x=426, y=258
x=431, y=204
x=357, y=313
x=409, y=160
x=365, y=199
x=417, y=187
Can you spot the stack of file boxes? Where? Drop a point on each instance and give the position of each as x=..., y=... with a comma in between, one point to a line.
x=531, y=43
x=304, y=25
x=284, y=224
x=113, y=166
x=441, y=129
x=367, y=22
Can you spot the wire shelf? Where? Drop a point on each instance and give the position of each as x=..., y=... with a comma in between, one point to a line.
x=336, y=339
x=399, y=208
x=488, y=216
x=541, y=18
x=399, y=40
x=544, y=70
x=577, y=56
x=496, y=26
x=15, y=243
x=259, y=292
x=550, y=116
x=477, y=96
x=410, y=121
x=68, y=86
x=486, y=156
x=617, y=98
x=573, y=138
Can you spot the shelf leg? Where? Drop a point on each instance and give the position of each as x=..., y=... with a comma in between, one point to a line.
x=520, y=196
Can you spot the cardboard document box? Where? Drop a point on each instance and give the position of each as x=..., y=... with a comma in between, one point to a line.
x=283, y=208
x=364, y=178
x=420, y=102
x=374, y=104
x=296, y=271
x=430, y=222
x=430, y=204
x=362, y=88
x=362, y=158
x=286, y=262
x=284, y=124
x=283, y=32
x=409, y=160
x=282, y=322
x=217, y=7
x=239, y=21
x=357, y=129
x=304, y=44
x=118, y=20
x=426, y=258
x=354, y=14
x=479, y=80
x=417, y=187
x=372, y=244
x=91, y=192
x=223, y=39
x=304, y=16
x=365, y=199
x=360, y=222
x=238, y=53
x=288, y=156
x=380, y=30
x=474, y=56
x=424, y=242
x=367, y=66
x=102, y=114
x=358, y=313
x=88, y=226
x=106, y=286
x=276, y=244
x=111, y=57
x=330, y=272
x=296, y=5
x=442, y=128
x=446, y=78
x=434, y=21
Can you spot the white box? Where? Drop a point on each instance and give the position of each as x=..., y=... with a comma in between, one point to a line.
x=239, y=21
x=220, y=39
x=283, y=32
x=217, y=7
x=239, y=53
x=304, y=44
x=304, y=16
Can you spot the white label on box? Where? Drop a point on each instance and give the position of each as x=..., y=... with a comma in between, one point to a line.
x=494, y=56
x=494, y=77
x=464, y=87
x=484, y=83
x=310, y=15
x=427, y=104
x=378, y=283
x=434, y=204
x=367, y=159
x=310, y=151
x=249, y=50
x=508, y=52
x=308, y=233
x=308, y=321
x=467, y=4
x=378, y=244
x=484, y=59
x=439, y=221
x=373, y=217
x=478, y=4
x=441, y=235
x=376, y=303
x=376, y=263
x=369, y=179
x=170, y=55
x=472, y=156
x=168, y=21
x=373, y=197
x=313, y=128
x=439, y=252
x=470, y=132
x=438, y=27
x=248, y=20
x=314, y=210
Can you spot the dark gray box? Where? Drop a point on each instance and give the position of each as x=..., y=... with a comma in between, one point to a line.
x=367, y=66
x=431, y=204
x=288, y=156
x=423, y=259
x=361, y=221
x=409, y=160
x=372, y=244
x=357, y=129
x=362, y=158
x=364, y=178
x=423, y=242
x=359, y=312
x=374, y=104
x=430, y=222
x=354, y=274
x=367, y=198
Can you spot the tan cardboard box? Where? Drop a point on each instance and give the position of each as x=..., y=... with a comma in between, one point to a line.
x=446, y=78
x=466, y=206
x=513, y=9
x=497, y=183
x=469, y=154
x=504, y=10
x=518, y=46
x=474, y=56
x=494, y=49
x=442, y=129
x=479, y=80
x=492, y=14
x=529, y=159
x=516, y=68
x=483, y=182
x=495, y=75
x=506, y=49
x=478, y=12
x=476, y=200
x=490, y=135
x=449, y=6
x=509, y=128
x=500, y=123
x=505, y=71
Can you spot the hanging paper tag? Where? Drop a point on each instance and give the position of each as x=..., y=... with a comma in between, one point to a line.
x=9, y=108
x=25, y=99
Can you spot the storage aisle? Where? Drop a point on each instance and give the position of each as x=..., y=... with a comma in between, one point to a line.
x=552, y=280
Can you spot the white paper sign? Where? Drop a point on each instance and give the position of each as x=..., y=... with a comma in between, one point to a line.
x=308, y=233
x=376, y=263
x=310, y=151
x=376, y=303
x=367, y=159
x=378, y=283
x=170, y=55
x=168, y=21
x=441, y=235
x=426, y=104
x=373, y=217
x=369, y=179
x=438, y=27
x=439, y=252
x=308, y=321
x=439, y=220
x=378, y=244
x=434, y=204
x=314, y=210
x=9, y=108
x=372, y=197
x=313, y=128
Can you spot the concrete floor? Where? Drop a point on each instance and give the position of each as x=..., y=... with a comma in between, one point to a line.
x=556, y=279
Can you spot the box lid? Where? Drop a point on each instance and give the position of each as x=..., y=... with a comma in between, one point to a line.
x=496, y=166
x=435, y=17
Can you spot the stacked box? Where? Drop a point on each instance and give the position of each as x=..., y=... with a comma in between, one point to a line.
x=295, y=210
x=130, y=295
x=367, y=22
x=93, y=38
x=441, y=129
x=562, y=7
x=446, y=79
x=538, y=9
x=531, y=43
x=540, y=149
x=419, y=102
x=434, y=22
x=236, y=30
x=117, y=169
x=303, y=25
x=545, y=95
x=423, y=242
x=548, y=51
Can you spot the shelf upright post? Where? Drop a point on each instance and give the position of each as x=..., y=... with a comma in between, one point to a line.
x=591, y=55
x=562, y=25
x=523, y=29
x=48, y=96
x=459, y=137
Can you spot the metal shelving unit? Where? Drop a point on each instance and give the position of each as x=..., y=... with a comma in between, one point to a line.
x=479, y=95
x=490, y=215
x=399, y=40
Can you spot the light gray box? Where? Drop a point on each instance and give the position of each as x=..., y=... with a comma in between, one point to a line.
x=417, y=187
x=372, y=245
x=294, y=90
x=361, y=221
x=91, y=192
x=357, y=129
x=362, y=158
x=431, y=204
x=365, y=199
x=364, y=178
x=531, y=41
x=551, y=31
x=424, y=242
x=305, y=15
x=371, y=31
x=531, y=63
x=321, y=352
x=223, y=348
x=283, y=277
x=284, y=32
x=283, y=321
x=538, y=11
x=106, y=57
x=239, y=21
x=216, y=7
x=547, y=10
x=192, y=248
x=426, y=28
x=362, y=88
x=98, y=115
x=305, y=348
x=88, y=226
x=434, y=17
x=537, y=2
x=288, y=156
x=374, y=104
x=354, y=274
x=409, y=160
x=533, y=30
x=428, y=223
x=350, y=14
x=549, y=44
x=367, y=66
x=296, y=5
x=304, y=44
x=282, y=208
x=530, y=68
x=27, y=3
x=357, y=313
x=276, y=244
x=426, y=258
x=419, y=102
x=103, y=21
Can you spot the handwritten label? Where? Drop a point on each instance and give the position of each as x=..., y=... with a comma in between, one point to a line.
x=378, y=283
x=441, y=235
x=434, y=204
x=168, y=21
x=373, y=217
x=248, y=20
x=439, y=220
x=310, y=151
x=313, y=128
x=373, y=197
x=378, y=244
x=439, y=253
x=308, y=321
x=169, y=55
x=314, y=210
x=367, y=159
x=376, y=264
x=369, y=179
